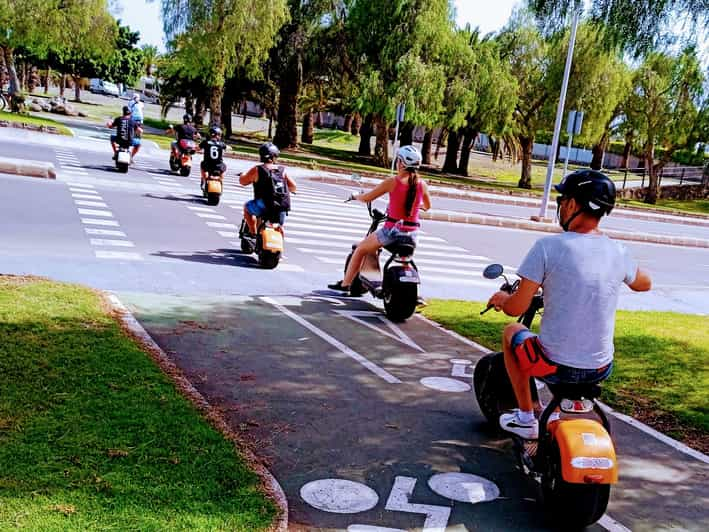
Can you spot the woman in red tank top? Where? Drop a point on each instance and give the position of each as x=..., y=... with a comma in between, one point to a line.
x=408, y=193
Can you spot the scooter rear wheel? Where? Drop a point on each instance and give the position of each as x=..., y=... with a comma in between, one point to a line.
x=400, y=301
x=185, y=171
x=268, y=260
x=122, y=167
x=573, y=506
x=213, y=198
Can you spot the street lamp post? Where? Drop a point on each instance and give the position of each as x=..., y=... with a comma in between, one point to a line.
x=559, y=115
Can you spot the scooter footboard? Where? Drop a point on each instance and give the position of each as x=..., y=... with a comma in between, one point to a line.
x=587, y=452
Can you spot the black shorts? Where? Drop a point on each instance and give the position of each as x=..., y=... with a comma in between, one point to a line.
x=221, y=167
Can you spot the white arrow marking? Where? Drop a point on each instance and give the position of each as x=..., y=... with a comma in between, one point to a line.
x=436, y=516
x=330, y=300
x=398, y=334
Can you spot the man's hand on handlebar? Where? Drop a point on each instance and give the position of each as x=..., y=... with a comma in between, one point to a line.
x=497, y=301
x=353, y=197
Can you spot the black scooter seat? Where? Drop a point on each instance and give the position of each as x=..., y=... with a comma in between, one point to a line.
x=575, y=391
x=403, y=249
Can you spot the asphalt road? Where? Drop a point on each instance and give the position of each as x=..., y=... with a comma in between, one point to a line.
x=324, y=388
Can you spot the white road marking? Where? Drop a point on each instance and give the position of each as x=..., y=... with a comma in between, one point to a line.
x=93, y=212
x=339, y=496
x=398, y=335
x=90, y=203
x=371, y=366
x=81, y=185
x=219, y=225
x=445, y=384
x=464, y=487
x=94, y=196
x=110, y=242
x=210, y=216
x=94, y=221
x=119, y=255
x=398, y=501
x=457, y=280
x=203, y=209
x=460, y=368
x=285, y=267
x=103, y=232
x=611, y=524
x=228, y=234
x=371, y=528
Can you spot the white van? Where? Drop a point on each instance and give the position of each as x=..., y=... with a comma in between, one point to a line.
x=99, y=86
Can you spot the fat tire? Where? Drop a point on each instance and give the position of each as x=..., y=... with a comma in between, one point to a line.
x=213, y=198
x=246, y=247
x=573, y=506
x=185, y=171
x=357, y=289
x=492, y=386
x=400, y=301
x=122, y=168
x=268, y=260
x=173, y=165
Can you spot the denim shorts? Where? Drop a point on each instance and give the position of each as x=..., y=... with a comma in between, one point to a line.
x=566, y=374
x=391, y=235
x=134, y=142
x=257, y=208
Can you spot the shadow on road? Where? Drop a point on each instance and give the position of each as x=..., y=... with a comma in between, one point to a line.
x=194, y=198
x=101, y=167
x=223, y=257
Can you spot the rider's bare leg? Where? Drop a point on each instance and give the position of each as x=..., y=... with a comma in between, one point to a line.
x=250, y=221
x=135, y=151
x=369, y=245
x=520, y=381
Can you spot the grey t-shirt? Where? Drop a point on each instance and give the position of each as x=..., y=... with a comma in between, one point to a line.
x=581, y=275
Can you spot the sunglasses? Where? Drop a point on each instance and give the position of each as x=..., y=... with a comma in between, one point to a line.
x=560, y=199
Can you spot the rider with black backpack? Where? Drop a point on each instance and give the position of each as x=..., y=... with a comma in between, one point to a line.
x=272, y=189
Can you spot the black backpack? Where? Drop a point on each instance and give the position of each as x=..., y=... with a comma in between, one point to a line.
x=274, y=189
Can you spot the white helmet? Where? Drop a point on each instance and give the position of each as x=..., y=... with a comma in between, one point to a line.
x=410, y=156
x=136, y=97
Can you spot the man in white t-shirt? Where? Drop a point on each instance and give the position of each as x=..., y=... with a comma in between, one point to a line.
x=581, y=272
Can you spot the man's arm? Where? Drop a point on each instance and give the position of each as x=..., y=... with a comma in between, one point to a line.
x=517, y=303
x=249, y=177
x=642, y=282
x=291, y=184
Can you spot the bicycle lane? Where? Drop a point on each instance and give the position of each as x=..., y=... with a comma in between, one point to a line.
x=360, y=420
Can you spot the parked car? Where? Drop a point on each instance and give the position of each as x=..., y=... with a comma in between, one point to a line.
x=99, y=86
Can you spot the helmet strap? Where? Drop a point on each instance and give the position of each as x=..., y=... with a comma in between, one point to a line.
x=565, y=225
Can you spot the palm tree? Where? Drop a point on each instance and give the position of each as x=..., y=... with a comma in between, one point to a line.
x=150, y=56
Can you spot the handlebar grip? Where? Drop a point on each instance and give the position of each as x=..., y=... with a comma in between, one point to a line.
x=486, y=309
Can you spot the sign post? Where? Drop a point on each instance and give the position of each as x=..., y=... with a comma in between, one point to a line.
x=400, y=112
x=573, y=127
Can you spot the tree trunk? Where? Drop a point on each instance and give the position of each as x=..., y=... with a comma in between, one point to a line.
x=14, y=82
x=451, y=163
x=469, y=137
x=356, y=124
x=289, y=87
x=199, y=109
x=46, y=80
x=347, y=126
x=653, y=186
x=441, y=143
x=525, y=180
x=381, y=145
x=215, y=105
x=270, y=125
x=365, y=133
x=626, y=153
x=426, y=147
x=62, y=86
x=77, y=87
x=599, y=149
x=406, y=134
x=318, y=119
x=189, y=105
x=227, y=106
x=308, y=128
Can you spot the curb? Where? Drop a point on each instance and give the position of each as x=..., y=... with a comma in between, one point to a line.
x=27, y=168
x=519, y=223
x=271, y=486
x=502, y=198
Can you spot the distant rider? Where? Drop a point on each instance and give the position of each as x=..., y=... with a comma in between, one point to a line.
x=581, y=272
x=127, y=132
x=136, y=111
x=213, y=149
x=272, y=189
x=184, y=131
x=407, y=194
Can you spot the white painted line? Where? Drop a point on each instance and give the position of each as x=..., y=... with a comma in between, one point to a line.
x=611, y=524
x=119, y=255
x=110, y=242
x=340, y=496
x=399, y=501
x=103, y=232
x=210, y=216
x=310, y=242
x=333, y=252
x=219, y=225
x=93, y=212
x=228, y=234
x=203, y=209
x=453, y=280
x=82, y=185
x=371, y=366
x=285, y=267
x=81, y=190
x=94, y=221
x=328, y=260
x=93, y=196
x=90, y=203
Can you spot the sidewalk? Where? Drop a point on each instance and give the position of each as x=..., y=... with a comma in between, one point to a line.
x=544, y=226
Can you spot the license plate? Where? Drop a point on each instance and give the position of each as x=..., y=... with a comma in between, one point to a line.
x=123, y=157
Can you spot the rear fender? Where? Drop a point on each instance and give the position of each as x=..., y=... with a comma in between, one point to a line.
x=587, y=451
x=214, y=186
x=401, y=274
x=271, y=240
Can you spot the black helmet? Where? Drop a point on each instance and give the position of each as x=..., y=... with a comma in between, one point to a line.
x=268, y=152
x=214, y=131
x=126, y=110
x=592, y=190
x=186, y=118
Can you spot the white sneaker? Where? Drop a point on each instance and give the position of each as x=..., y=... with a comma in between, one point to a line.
x=511, y=423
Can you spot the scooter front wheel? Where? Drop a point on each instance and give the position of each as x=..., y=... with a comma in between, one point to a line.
x=185, y=171
x=400, y=301
x=492, y=386
x=573, y=506
x=357, y=289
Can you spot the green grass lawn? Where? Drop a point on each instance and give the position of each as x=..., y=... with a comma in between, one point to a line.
x=661, y=374
x=93, y=436
x=699, y=206
x=34, y=120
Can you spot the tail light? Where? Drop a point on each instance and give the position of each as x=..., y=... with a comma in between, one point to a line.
x=576, y=406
